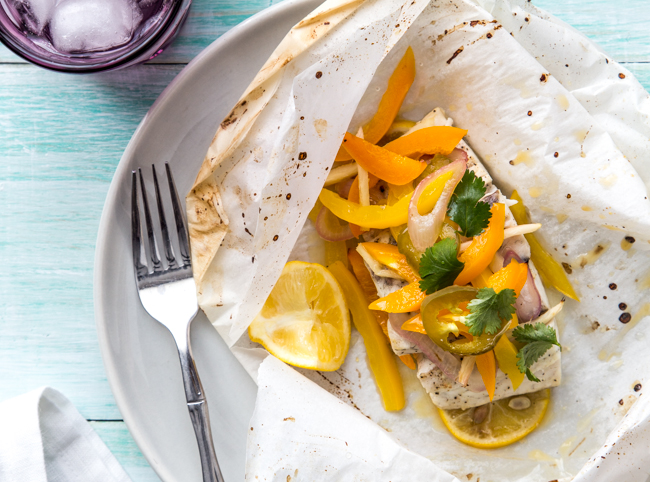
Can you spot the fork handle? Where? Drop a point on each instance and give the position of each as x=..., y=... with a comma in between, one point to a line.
x=201, y=423
x=197, y=406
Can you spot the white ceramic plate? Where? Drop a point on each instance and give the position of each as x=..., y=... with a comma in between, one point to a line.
x=139, y=354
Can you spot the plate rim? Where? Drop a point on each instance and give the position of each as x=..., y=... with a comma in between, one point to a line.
x=99, y=299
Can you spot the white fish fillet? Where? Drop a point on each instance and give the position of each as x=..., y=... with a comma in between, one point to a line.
x=449, y=394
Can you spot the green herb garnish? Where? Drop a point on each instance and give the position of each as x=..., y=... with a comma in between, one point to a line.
x=464, y=207
x=538, y=338
x=439, y=266
x=489, y=309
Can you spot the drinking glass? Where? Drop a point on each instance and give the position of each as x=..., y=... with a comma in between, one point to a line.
x=160, y=22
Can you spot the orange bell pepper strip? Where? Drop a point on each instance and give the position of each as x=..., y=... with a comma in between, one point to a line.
x=550, y=271
x=389, y=255
x=488, y=369
x=368, y=286
x=384, y=164
x=479, y=254
x=404, y=300
x=506, y=354
x=481, y=280
x=353, y=196
x=384, y=216
x=414, y=324
x=513, y=276
x=408, y=361
x=429, y=140
x=380, y=355
x=398, y=86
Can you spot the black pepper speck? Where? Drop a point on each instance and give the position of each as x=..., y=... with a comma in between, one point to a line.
x=530, y=112
x=302, y=156
x=637, y=387
x=625, y=318
x=630, y=239
x=622, y=306
x=612, y=286
x=319, y=74
x=275, y=238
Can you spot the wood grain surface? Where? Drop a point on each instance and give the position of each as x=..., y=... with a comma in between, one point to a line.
x=61, y=137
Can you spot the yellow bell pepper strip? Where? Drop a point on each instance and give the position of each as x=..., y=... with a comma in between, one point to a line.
x=479, y=254
x=368, y=286
x=383, y=216
x=481, y=280
x=506, y=354
x=389, y=255
x=429, y=140
x=487, y=368
x=414, y=324
x=353, y=196
x=408, y=361
x=550, y=271
x=336, y=251
x=403, y=300
x=398, y=86
x=513, y=276
x=384, y=164
x=380, y=355
x=395, y=193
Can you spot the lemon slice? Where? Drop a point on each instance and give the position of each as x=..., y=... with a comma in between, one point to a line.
x=499, y=423
x=305, y=321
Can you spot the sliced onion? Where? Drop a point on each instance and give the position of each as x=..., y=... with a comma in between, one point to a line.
x=529, y=302
x=424, y=230
x=445, y=361
x=343, y=188
x=330, y=229
x=457, y=155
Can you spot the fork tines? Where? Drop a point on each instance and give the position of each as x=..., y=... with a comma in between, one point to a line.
x=150, y=268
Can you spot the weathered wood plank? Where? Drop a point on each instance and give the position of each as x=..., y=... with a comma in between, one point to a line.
x=619, y=27
x=61, y=138
x=118, y=440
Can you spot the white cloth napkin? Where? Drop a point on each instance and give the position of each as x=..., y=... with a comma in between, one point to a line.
x=43, y=438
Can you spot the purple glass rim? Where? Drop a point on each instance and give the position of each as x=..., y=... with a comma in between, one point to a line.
x=141, y=50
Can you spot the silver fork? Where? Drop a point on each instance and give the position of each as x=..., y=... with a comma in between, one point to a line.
x=169, y=295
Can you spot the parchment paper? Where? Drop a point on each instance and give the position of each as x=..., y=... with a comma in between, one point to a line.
x=571, y=140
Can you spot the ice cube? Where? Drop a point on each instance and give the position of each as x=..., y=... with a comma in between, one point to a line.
x=35, y=14
x=93, y=25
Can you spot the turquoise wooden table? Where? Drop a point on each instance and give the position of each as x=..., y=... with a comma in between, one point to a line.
x=61, y=137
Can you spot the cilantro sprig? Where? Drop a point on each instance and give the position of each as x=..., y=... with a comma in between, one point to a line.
x=464, y=207
x=489, y=309
x=538, y=339
x=439, y=266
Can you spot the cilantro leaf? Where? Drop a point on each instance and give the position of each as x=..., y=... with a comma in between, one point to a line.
x=538, y=338
x=489, y=309
x=439, y=266
x=465, y=209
